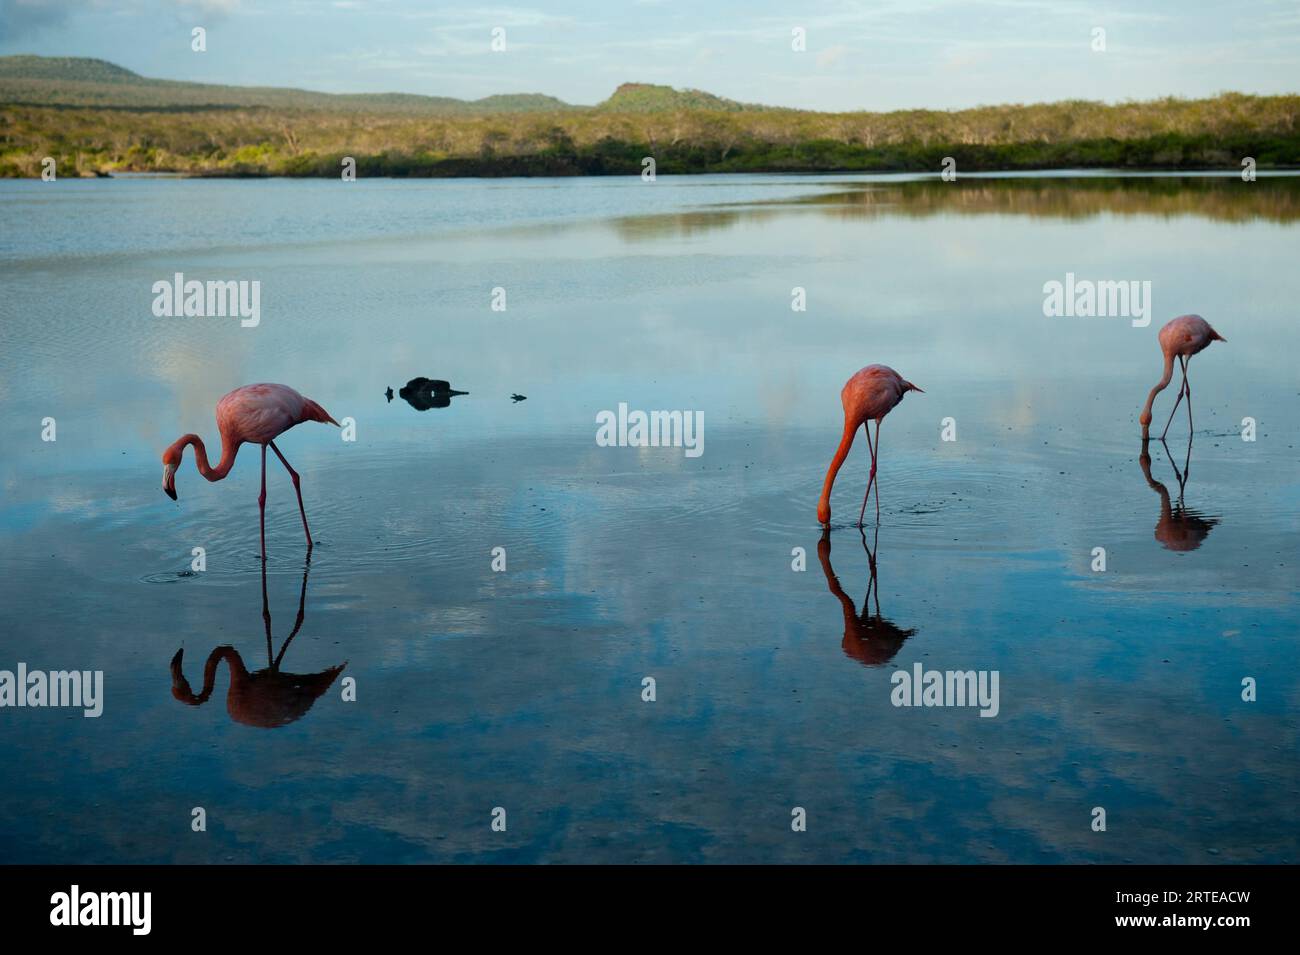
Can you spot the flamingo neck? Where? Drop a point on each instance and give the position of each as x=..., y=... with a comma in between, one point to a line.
x=1165, y=507
x=228, y=451
x=181, y=687
x=1161, y=385
x=833, y=584
x=842, y=452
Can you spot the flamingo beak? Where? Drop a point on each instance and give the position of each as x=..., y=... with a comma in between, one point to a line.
x=169, y=480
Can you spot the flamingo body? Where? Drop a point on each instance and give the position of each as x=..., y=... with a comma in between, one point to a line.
x=873, y=392
x=869, y=395
x=1187, y=335
x=253, y=414
x=258, y=414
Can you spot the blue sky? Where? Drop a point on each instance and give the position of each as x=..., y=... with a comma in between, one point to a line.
x=887, y=54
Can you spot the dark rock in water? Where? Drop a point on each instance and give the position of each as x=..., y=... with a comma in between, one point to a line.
x=389, y=394
x=518, y=398
x=425, y=393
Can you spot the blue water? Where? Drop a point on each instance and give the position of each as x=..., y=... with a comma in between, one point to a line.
x=522, y=689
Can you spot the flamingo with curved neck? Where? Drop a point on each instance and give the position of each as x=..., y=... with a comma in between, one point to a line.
x=869, y=395
x=253, y=414
x=1181, y=338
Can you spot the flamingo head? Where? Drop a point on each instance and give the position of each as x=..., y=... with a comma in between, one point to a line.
x=171, y=459
x=824, y=512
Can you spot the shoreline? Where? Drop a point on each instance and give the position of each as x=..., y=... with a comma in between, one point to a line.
x=524, y=169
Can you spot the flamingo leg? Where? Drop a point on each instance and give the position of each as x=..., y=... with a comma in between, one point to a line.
x=261, y=504
x=1183, y=475
x=298, y=490
x=1181, y=389
x=873, y=474
x=297, y=624
x=1187, y=389
x=266, y=614
x=866, y=426
x=872, y=587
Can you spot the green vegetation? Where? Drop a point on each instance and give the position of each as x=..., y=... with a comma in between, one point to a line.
x=92, y=116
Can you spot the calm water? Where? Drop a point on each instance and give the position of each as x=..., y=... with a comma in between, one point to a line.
x=522, y=689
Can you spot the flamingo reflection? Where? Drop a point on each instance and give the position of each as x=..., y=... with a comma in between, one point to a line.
x=869, y=638
x=266, y=698
x=1180, y=528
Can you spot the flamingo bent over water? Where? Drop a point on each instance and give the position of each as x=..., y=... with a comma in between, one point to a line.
x=253, y=414
x=1181, y=338
x=869, y=395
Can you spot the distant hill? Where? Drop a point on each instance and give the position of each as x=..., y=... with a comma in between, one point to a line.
x=80, y=81
x=78, y=68
x=650, y=98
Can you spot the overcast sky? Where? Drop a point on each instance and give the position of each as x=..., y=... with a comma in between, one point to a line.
x=875, y=54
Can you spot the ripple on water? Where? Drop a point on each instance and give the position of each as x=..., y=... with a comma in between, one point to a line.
x=168, y=577
x=932, y=501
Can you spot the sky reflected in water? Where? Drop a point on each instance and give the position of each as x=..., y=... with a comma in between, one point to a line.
x=522, y=689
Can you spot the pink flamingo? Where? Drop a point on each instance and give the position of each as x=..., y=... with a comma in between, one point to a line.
x=1181, y=338
x=253, y=414
x=869, y=395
